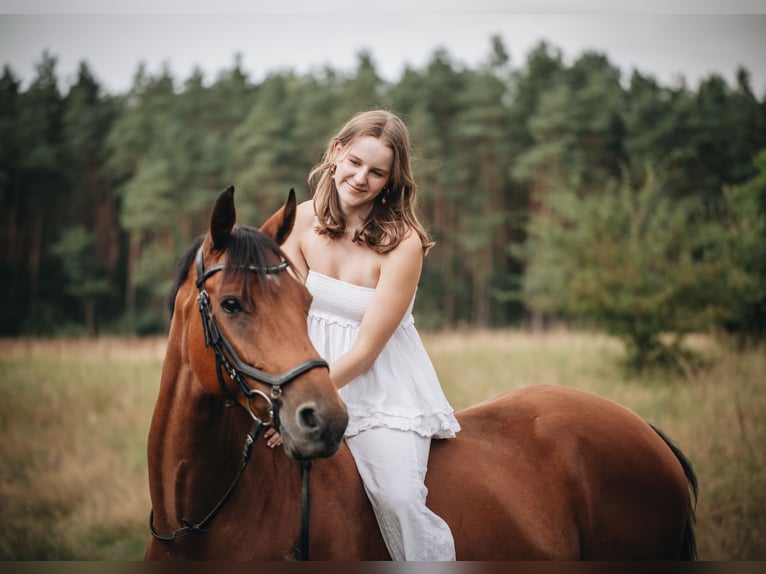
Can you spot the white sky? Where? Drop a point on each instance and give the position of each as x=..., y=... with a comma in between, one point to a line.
x=667, y=39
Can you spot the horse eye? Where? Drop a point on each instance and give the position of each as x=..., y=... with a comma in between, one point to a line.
x=231, y=305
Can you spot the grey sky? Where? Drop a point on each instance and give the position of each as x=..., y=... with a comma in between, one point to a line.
x=666, y=39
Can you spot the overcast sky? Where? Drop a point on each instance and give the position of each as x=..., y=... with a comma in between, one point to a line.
x=667, y=39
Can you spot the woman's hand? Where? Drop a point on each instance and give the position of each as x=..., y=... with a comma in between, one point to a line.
x=272, y=437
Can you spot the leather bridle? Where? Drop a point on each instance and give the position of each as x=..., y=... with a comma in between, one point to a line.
x=226, y=356
x=227, y=359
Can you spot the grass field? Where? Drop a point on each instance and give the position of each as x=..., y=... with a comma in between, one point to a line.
x=74, y=416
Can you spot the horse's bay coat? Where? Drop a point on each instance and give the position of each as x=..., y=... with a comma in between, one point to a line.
x=543, y=472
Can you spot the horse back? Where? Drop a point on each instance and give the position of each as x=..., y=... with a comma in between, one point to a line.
x=555, y=473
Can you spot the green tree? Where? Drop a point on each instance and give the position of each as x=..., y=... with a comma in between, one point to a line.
x=87, y=119
x=141, y=165
x=85, y=275
x=436, y=304
x=540, y=76
x=576, y=130
x=438, y=104
x=362, y=90
x=656, y=127
x=746, y=255
x=316, y=121
x=482, y=132
x=11, y=204
x=263, y=147
x=43, y=188
x=634, y=263
x=746, y=119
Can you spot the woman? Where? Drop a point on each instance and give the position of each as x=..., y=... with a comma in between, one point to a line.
x=359, y=247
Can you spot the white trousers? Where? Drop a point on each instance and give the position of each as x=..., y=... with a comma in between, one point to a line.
x=392, y=464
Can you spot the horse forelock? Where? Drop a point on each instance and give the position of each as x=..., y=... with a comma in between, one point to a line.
x=248, y=247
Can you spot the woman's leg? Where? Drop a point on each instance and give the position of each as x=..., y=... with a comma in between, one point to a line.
x=392, y=464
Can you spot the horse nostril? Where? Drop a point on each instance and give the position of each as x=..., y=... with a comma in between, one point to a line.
x=308, y=418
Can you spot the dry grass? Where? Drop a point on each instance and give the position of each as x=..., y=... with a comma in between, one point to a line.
x=74, y=417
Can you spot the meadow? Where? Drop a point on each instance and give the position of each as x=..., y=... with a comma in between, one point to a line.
x=74, y=417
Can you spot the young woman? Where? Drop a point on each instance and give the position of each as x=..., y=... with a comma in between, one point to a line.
x=359, y=247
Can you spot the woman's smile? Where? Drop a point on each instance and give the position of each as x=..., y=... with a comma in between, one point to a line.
x=362, y=170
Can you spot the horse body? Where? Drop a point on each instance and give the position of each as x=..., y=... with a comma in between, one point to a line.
x=542, y=472
x=548, y=472
x=538, y=473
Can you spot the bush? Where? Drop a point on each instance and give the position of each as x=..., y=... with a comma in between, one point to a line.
x=638, y=264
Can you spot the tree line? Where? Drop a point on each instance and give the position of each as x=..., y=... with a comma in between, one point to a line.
x=554, y=191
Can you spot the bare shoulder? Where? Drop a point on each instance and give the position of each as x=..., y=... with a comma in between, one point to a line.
x=406, y=259
x=294, y=245
x=304, y=216
x=410, y=247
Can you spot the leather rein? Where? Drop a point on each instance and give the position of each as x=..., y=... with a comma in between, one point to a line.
x=227, y=359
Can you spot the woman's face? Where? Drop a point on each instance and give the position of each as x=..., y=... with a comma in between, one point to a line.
x=362, y=170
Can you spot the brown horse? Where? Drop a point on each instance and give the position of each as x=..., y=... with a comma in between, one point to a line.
x=542, y=472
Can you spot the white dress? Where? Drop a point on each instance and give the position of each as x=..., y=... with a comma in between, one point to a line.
x=401, y=390
x=395, y=409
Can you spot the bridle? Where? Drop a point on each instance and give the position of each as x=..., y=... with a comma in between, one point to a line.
x=226, y=356
x=227, y=359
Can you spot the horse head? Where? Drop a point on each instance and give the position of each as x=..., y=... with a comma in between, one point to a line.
x=249, y=341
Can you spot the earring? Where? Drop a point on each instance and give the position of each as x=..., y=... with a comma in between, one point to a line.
x=386, y=191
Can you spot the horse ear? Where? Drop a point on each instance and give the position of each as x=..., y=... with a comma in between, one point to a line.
x=279, y=225
x=224, y=217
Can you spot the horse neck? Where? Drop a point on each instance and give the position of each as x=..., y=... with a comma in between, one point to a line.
x=195, y=447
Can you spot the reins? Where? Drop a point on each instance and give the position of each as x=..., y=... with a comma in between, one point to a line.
x=228, y=360
x=200, y=527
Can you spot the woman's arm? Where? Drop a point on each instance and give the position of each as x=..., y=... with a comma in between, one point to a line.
x=398, y=280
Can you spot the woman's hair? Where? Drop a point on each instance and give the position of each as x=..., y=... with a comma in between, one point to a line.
x=393, y=213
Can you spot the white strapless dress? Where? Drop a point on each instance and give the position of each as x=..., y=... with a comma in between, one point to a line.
x=401, y=390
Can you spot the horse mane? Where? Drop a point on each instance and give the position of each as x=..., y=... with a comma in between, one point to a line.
x=182, y=270
x=247, y=247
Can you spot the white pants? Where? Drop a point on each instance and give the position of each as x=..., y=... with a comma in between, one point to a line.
x=392, y=464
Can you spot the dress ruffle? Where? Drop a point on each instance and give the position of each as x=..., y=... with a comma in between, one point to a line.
x=401, y=390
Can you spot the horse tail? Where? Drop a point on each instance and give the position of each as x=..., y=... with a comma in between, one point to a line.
x=689, y=542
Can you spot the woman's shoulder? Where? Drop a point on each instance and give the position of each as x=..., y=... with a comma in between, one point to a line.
x=406, y=256
x=304, y=216
x=411, y=245
x=305, y=208
x=294, y=245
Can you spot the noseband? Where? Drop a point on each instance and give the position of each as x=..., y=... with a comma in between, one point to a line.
x=227, y=359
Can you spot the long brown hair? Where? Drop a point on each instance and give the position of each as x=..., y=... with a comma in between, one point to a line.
x=394, y=211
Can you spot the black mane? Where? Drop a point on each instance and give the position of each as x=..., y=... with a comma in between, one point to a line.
x=247, y=247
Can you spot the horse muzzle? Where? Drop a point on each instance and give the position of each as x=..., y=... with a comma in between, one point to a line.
x=312, y=430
